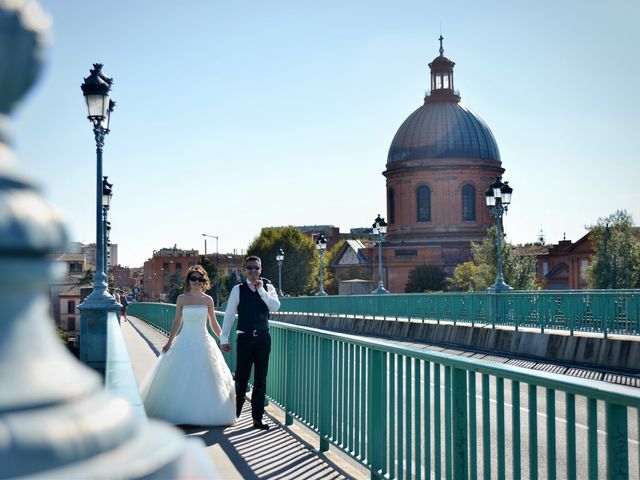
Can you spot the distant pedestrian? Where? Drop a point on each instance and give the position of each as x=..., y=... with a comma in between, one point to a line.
x=116, y=296
x=125, y=303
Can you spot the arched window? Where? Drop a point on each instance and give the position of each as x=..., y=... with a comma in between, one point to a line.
x=423, y=200
x=468, y=203
x=391, y=198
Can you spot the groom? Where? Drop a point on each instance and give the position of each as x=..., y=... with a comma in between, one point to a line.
x=252, y=301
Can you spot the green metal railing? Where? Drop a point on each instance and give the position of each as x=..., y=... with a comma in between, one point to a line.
x=600, y=311
x=410, y=414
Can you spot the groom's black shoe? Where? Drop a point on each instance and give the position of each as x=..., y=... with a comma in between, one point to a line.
x=257, y=424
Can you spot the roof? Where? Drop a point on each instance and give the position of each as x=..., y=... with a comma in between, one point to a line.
x=351, y=254
x=73, y=291
x=68, y=257
x=443, y=130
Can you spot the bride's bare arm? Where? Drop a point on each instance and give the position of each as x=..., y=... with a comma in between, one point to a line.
x=175, y=327
x=213, y=321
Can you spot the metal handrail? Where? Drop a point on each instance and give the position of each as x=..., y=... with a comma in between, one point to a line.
x=406, y=413
x=598, y=311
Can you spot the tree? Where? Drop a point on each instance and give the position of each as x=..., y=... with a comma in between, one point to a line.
x=87, y=278
x=424, y=278
x=330, y=280
x=616, y=259
x=300, y=258
x=211, y=269
x=519, y=270
x=176, y=287
x=465, y=277
x=231, y=281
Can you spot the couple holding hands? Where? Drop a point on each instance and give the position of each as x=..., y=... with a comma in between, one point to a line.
x=190, y=383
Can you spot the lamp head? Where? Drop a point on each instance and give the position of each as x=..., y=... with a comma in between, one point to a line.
x=96, y=88
x=489, y=198
x=506, y=192
x=321, y=243
x=496, y=186
x=379, y=225
x=107, y=192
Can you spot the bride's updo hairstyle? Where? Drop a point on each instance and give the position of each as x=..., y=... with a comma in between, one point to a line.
x=197, y=271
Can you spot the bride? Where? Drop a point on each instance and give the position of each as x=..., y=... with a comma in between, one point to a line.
x=191, y=384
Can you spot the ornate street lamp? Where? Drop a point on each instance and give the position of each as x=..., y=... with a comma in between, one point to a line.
x=321, y=246
x=96, y=307
x=279, y=260
x=498, y=198
x=217, y=266
x=380, y=229
x=96, y=88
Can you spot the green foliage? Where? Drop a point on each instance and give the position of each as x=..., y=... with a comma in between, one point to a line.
x=330, y=280
x=62, y=335
x=210, y=268
x=231, y=281
x=480, y=273
x=301, y=260
x=87, y=278
x=425, y=278
x=465, y=277
x=176, y=287
x=616, y=259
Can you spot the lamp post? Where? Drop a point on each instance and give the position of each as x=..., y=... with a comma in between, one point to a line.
x=498, y=198
x=279, y=260
x=321, y=246
x=107, y=194
x=96, y=307
x=217, y=266
x=380, y=229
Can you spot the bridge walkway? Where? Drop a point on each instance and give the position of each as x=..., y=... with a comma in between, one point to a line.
x=239, y=451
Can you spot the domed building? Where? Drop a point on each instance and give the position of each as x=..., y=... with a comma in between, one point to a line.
x=441, y=161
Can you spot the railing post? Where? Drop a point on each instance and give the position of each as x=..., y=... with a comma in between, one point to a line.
x=617, y=444
x=459, y=412
x=289, y=383
x=377, y=412
x=326, y=384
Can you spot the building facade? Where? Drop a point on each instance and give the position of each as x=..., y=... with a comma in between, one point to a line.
x=157, y=271
x=440, y=162
x=166, y=262
x=563, y=266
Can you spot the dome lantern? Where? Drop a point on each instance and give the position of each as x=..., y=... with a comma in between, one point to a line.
x=442, y=79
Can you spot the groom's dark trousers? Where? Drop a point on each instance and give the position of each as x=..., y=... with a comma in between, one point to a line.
x=252, y=348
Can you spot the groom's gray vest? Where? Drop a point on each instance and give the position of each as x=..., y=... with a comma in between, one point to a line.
x=253, y=313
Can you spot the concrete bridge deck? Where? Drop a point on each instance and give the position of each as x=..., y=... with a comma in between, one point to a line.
x=239, y=451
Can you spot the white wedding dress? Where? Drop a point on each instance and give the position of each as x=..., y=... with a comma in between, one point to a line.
x=191, y=384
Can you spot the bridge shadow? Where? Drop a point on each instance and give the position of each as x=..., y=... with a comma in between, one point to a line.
x=275, y=454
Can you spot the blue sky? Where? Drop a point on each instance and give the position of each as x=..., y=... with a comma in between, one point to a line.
x=232, y=117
